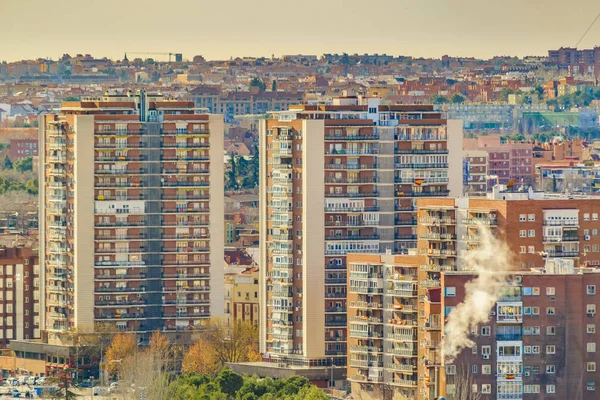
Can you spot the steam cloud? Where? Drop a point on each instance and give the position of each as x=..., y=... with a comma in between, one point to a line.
x=491, y=262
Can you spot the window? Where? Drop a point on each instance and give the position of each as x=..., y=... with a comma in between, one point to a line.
x=486, y=369
x=550, y=389
x=523, y=233
x=591, y=347
x=550, y=330
x=550, y=311
x=535, y=291
x=531, y=233
x=474, y=350
x=474, y=368
x=595, y=217
x=591, y=289
x=591, y=310
x=551, y=349
x=450, y=291
x=550, y=291
x=523, y=217
x=586, y=217
x=485, y=331
x=550, y=369
x=474, y=388
x=591, y=328
x=531, y=388
x=591, y=366
x=531, y=249
x=523, y=249
x=535, y=349
x=531, y=217
x=450, y=369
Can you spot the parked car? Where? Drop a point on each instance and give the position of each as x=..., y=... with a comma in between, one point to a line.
x=114, y=386
x=40, y=380
x=31, y=380
x=15, y=393
x=12, y=381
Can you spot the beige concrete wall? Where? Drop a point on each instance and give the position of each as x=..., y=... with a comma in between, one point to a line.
x=83, y=223
x=455, y=157
x=313, y=238
x=262, y=203
x=216, y=216
x=42, y=216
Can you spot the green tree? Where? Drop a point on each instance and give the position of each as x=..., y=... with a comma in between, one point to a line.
x=7, y=163
x=274, y=86
x=229, y=382
x=457, y=99
x=24, y=164
x=255, y=166
x=257, y=82
x=32, y=186
x=438, y=99
x=231, y=182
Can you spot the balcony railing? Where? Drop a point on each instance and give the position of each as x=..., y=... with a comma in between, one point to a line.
x=350, y=166
x=374, y=236
x=374, y=193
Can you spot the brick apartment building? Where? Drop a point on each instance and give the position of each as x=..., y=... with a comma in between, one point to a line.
x=131, y=218
x=506, y=161
x=540, y=341
x=23, y=148
x=476, y=173
x=338, y=179
x=388, y=294
x=19, y=295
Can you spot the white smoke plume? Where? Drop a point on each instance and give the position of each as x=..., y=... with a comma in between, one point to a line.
x=491, y=263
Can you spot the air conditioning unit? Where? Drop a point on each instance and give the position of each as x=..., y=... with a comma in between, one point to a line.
x=518, y=279
x=587, y=237
x=492, y=312
x=486, y=356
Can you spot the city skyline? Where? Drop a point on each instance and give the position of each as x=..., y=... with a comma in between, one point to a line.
x=259, y=29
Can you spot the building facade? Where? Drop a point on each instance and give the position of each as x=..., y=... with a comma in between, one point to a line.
x=131, y=195
x=339, y=179
x=397, y=309
x=23, y=148
x=539, y=343
x=19, y=294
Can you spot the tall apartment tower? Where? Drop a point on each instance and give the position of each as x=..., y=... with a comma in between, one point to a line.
x=131, y=226
x=337, y=179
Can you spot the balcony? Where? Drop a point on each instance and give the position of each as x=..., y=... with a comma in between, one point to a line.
x=405, y=222
x=189, y=157
x=441, y=193
x=335, y=281
x=120, y=171
x=351, y=151
x=420, y=151
x=559, y=239
x=351, y=209
x=119, y=316
x=364, y=304
x=186, y=315
x=351, y=137
x=366, y=320
x=438, y=236
x=141, y=289
x=186, y=132
x=135, y=277
x=561, y=223
x=185, y=183
x=420, y=165
x=353, y=181
x=366, y=363
x=374, y=236
x=409, y=181
x=560, y=254
x=374, y=193
x=509, y=336
x=351, y=166
x=186, y=145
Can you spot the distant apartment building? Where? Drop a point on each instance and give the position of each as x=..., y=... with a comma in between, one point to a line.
x=131, y=217
x=338, y=179
x=232, y=104
x=506, y=161
x=566, y=56
x=476, y=173
x=568, y=177
x=396, y=315
x=241, y=296
x=20, y=295
x=540, y=340
x=23, y=148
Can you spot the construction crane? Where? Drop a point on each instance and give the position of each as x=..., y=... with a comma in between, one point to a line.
x=178, y=56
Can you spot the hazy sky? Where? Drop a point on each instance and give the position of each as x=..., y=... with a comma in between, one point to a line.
x=219, y=29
